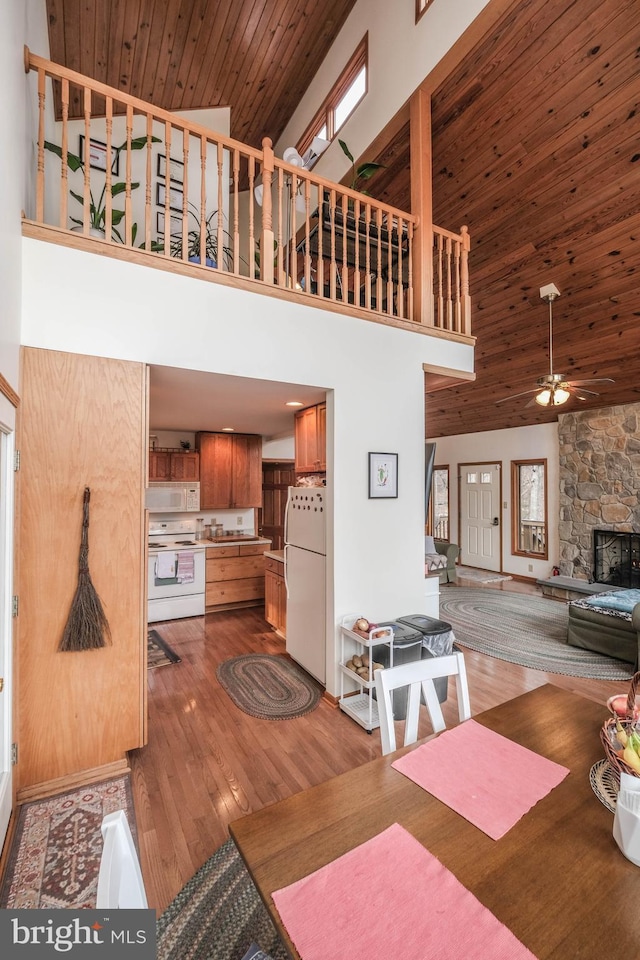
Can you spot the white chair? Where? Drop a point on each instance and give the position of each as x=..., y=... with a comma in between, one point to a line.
x=419, y=676
x=120, y=883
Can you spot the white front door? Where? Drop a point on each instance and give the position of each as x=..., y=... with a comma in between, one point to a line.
x=480, y=495
x=6, y=627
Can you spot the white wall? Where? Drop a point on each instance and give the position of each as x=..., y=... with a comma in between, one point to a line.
x=401, y=54
x=503, y=446
x=373, y=374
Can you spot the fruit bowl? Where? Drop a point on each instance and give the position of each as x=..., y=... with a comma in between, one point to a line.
x=618, y=705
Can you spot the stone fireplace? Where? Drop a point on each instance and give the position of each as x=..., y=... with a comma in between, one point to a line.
x=599, y=481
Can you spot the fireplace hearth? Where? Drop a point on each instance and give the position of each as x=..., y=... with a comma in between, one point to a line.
x=616, y=558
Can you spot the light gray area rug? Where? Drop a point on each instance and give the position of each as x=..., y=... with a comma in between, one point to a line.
x=523, y=629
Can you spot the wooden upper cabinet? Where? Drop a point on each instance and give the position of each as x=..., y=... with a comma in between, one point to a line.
x=174, y=465
x=311, y=439
x=230, y=470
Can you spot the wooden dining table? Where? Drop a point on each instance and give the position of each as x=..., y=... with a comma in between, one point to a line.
x=556, y=879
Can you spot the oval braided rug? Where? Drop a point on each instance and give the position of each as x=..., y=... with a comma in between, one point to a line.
x=524, y=629
x=269, y=687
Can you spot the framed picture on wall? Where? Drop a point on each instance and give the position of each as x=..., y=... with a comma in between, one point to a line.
x=176, y=169
x=175, y=224
x=98, y=155
x=383, y=475
x=175, y=197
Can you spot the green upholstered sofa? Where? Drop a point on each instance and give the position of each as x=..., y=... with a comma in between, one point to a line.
x=434, y=560
x=614, y=632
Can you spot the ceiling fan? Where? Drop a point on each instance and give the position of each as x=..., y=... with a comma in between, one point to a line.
x=553, y=389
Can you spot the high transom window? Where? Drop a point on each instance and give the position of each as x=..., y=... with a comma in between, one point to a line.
x=345, y=95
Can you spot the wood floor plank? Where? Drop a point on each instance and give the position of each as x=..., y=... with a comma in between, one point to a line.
x=207, y=763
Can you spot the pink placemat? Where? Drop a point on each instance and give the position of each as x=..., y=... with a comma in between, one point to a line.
x=486, y=778
x=390, y=899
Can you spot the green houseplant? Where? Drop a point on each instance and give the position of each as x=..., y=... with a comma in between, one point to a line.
x=98, y=208
x=364, y=171
x=194, y=251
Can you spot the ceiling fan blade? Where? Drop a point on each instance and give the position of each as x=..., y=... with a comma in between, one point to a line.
x=514, y=396
x=582, y=390
x=578, y=383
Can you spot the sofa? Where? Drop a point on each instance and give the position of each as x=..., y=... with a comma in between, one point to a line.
x=440, y=557
x=607, y=623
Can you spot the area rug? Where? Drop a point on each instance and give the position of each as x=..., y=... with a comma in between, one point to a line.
x=159, y=653
x=269, y=687
x=56, y=850
x=217, y=915
x=480, y=576
x=523, y=629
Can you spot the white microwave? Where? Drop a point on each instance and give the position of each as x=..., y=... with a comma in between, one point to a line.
x=173, y=497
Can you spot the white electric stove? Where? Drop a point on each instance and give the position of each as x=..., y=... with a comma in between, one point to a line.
x=176, y=571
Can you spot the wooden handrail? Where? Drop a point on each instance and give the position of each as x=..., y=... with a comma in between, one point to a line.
x=271, y=221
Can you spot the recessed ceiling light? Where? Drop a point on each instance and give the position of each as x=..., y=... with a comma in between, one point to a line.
x=294, y=403
x=228, y=429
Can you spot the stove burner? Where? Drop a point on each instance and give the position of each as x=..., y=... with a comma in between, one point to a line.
x=185, y=543
x=152, y=543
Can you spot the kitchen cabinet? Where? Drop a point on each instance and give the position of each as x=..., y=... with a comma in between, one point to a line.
x=174, y=465
x=230, y=470
x=275, y=596
x=311, y=439
x=235, y=575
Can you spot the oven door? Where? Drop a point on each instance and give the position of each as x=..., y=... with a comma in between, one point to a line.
x=162, y=588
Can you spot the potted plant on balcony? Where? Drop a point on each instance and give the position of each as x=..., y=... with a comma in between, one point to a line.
x=98, y=208
x=195, y=252
x=364, y=171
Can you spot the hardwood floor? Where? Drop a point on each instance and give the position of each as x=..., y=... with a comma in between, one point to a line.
x=207, y=763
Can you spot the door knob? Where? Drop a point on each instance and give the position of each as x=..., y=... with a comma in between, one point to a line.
x=495, y=521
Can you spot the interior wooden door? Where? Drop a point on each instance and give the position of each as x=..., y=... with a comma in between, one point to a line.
x=277, y=476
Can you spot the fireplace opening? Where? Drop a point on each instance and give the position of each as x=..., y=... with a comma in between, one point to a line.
x=617, y=558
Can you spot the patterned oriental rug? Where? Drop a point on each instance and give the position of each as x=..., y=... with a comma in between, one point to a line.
x=269, y=687
x=523, y=629
x=56, y=850
x=217, y=915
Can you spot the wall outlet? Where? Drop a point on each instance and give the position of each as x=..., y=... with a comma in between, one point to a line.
x=530, y=568
x=239, y=521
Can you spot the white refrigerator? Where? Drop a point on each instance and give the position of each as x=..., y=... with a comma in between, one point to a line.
x=305, y=577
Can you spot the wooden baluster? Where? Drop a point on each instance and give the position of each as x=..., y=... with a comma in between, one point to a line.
x=280, y=265
x=410, y=313
x=291, y=239
x=64, y=181
x=440, y=313
x=400, y=269
x=108, y=196
x=320, y=258
x=185, y=195
x=379, y=261
x=203, y=199
x=465, y=326
x=307, y=253
x=266, y=237
x=332, y=261
x=86, y=188
x=128, y=213
x=367, y=255
x=236, y=218
x=252, y=238
x=40, y=175
x=220, y=245
x=457, y=325
x=356, y=258
x=147, y=186
x=390, y=285
x=448, y=322
x=344, y=279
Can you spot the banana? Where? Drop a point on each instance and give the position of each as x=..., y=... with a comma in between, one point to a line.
x=620, y=733
x=631, y=758
x=634, y=740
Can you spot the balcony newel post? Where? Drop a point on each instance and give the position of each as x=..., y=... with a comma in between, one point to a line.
x=422, y=207
x=465, y=298
x=266, y=236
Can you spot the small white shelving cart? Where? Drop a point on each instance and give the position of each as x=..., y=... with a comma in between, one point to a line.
x=361, y=707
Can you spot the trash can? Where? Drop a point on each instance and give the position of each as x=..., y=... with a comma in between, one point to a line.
x=437, y=641
x=407, y=646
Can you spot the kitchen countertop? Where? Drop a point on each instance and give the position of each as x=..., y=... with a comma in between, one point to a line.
x=231, y=541
x=275, y=555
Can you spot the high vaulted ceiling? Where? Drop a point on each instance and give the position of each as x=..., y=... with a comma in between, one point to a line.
x=536, y=147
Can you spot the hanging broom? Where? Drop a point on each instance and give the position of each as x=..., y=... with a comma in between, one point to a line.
x=87, y=627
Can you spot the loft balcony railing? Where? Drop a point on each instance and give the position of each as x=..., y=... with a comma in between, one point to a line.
x=118, y=171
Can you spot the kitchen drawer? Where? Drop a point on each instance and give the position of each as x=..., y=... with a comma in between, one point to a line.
x=234, y=591
x=248, y=549
x=274, y=566
x=235, y=568
x=219, y=553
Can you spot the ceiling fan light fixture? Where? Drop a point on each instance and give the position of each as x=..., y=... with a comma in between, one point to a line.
x=543, y=397
x=560, y=395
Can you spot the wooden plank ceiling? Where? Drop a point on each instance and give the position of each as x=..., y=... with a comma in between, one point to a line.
x=257, y=56
x=536, y=148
